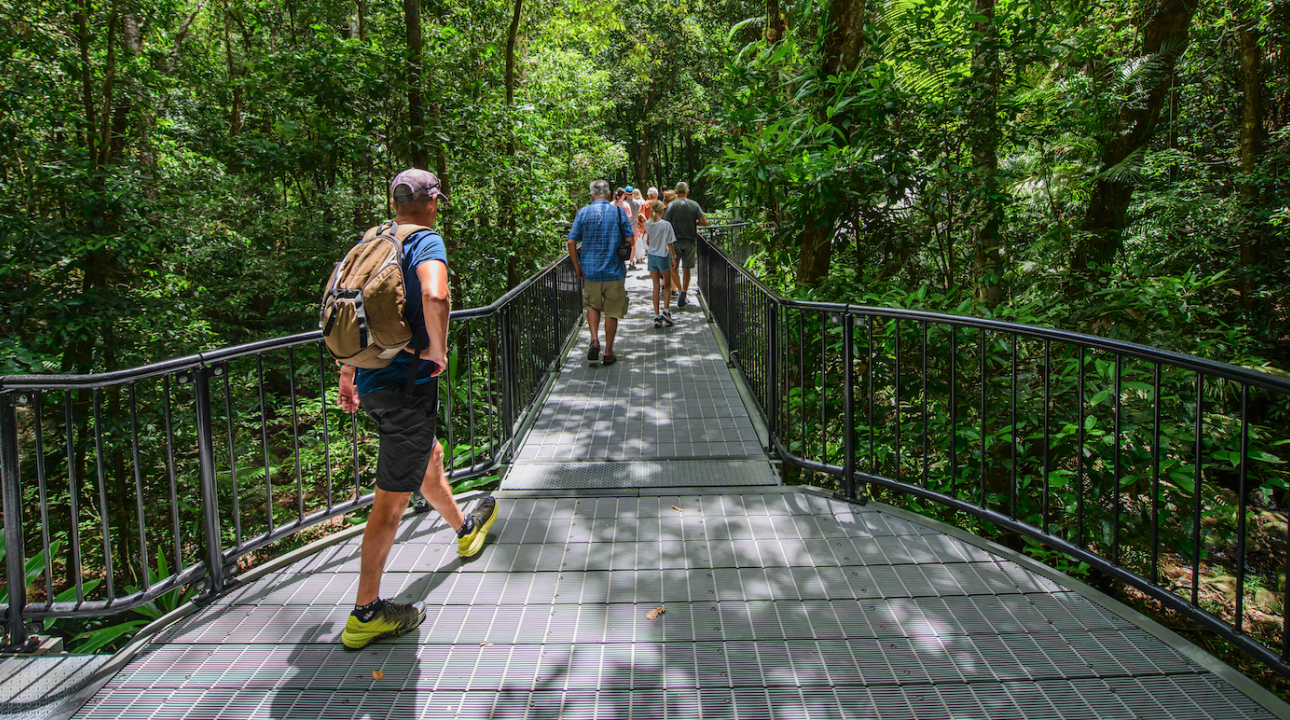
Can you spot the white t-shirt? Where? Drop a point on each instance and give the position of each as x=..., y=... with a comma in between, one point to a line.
x=660, y=236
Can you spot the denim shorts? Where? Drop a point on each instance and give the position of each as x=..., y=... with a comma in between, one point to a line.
x=406, y=427
x=660, y=263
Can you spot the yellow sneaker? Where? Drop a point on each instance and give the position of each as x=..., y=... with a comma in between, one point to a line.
x=470, y=538
x=391, y=620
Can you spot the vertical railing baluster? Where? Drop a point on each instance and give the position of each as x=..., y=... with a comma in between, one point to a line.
x=954, y=415
x=38, y=401
x=981, y=349
x=74, y=493
x=1242, y=506
x=232, y=456
x=1079, y=452
x=896, y=395
x=1197, y=479
x=848, y=407
x=470, y=383
x=209, y=489
x=869, y=373
x=927, y=427
x=264, y=438
x=295, y=433
x=105, y=512
x=1115, y=491
x=802, y=379
x=1048, y=404
x=1013, y=433
x=15, y=575
x=322, y=404
x=170, y=472
x=824, y=386
x=1155, y=477
x=138, y=491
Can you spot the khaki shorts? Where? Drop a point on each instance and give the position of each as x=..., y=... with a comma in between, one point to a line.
x=609, y=297
x=685, y=253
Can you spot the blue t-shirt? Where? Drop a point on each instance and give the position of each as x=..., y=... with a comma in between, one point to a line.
x=418, y=249
x=601, y=228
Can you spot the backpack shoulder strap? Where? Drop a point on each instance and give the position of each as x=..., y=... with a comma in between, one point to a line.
x=402, y=232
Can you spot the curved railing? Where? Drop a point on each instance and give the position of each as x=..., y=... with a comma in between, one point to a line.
x=1158, y=469
x=140, y=482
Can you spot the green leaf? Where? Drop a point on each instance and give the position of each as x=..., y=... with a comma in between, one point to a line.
x=96, y=639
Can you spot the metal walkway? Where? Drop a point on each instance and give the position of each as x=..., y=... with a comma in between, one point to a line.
x=777, y=602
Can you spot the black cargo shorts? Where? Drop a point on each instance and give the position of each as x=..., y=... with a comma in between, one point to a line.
x=406, y=426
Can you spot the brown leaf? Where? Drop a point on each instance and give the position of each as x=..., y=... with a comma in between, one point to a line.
x=377, y=674
x=485, y=643
x=652, y=614
x=677, y=509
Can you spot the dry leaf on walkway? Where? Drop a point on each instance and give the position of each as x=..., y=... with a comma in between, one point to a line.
x=377, y=674
x=677, y=509
x=655, y=612
x=485, y=643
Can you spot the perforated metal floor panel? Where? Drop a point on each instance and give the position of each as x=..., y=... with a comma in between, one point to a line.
x=37, y=688
x=658, y=474
x=670, y=395
x=778, y=604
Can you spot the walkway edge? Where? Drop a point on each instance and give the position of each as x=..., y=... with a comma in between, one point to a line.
x=141, y=640
x=1193, y=652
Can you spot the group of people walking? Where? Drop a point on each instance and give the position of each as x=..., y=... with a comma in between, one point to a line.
x=402, y=398
x=663, y=233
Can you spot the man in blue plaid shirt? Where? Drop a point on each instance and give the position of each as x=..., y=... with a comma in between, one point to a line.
x=601, y=228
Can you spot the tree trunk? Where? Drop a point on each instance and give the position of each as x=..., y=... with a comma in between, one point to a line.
x=774, y=22
x=417, y=155
x=843, y=41
x=109, y=79
x=1165, y=35
x=508, y=191
x=235, y=114
x=845, y=36
x=987, y=235
x=642, y=158
x=1251, y=149
x=87, y=79
x=362, y=22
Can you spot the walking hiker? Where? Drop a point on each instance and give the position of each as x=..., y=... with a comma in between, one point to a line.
x=403, y=399
x=685, y=216
x=661, y=259
x=639, y=207
x=601, y=228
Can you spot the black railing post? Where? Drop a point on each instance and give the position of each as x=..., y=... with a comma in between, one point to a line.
x=206, y=466
x=15, y=575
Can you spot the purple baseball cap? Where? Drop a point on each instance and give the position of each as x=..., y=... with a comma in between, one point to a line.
x=418, y=184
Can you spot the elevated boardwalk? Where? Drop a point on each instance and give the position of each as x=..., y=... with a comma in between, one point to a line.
x=779, y=602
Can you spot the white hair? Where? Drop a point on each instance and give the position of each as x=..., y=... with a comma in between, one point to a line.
x=653, y=192
x=599, y=189
x=682, y=188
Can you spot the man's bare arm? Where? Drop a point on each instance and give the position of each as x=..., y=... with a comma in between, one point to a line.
x=573, y=255
x=436, y=305
x=703, y=220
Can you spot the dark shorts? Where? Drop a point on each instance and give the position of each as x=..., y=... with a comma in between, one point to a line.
x=685, y=253
x=406, y=427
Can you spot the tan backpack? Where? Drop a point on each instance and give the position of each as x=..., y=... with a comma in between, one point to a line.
x=362, y=306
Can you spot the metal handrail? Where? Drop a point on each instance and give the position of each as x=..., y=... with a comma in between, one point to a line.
x=836, y=387
x=205, y=411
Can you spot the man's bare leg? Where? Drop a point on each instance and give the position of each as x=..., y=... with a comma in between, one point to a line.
x=378, y=536
x=611, y=327
x=593, y=322
x=436, y=490
x=685, y=287
x=655, y=276
x=383, y=524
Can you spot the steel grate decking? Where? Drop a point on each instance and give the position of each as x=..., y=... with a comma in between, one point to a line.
x=834, y=611
x=644, y=485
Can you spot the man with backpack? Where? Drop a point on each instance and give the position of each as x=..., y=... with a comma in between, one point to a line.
x=401, y=397
x=599, y=231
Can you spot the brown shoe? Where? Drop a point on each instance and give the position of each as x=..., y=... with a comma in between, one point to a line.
x=593, y=352
x=609, y=359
